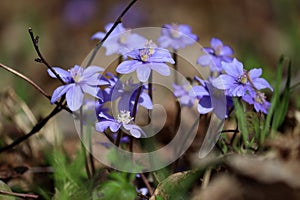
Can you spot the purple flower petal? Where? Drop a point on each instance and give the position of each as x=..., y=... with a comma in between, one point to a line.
x=255, y=73
x=91, y=70
x=98, y=36
x=203, y=110
x=226, y=51
x=199, y=91
x=146, y=101
x=261, y=83
x=93, y=91
x=223, y=82
x=58, y=92
x=134, y=130
x=65, y=75
x=127, y=66
x=161, y=68
x=204, y=60
x=215, y=43
x=235, y=68
x=143, y=72
x=74, y=97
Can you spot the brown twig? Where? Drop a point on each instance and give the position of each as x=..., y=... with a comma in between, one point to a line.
x=117, y=21
x=41, y=58
x=26, y=79
x=34, y=130
x=22, y=195
x=145, y=180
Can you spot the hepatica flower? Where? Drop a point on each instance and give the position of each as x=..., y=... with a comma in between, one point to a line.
x=184, y=94
x=121, y=40
x=146, y=59
x=124, y=120
x=258, y=100
x=78, y=81
x=126, y=92
x=238, y=81
x=176, y=36
x=211, y=99
x=215, y=55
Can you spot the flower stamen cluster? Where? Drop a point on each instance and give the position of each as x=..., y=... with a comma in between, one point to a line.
x=124, y=117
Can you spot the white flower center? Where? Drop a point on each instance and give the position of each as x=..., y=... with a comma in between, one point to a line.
x=124, y=117
x=76, y=74
x=260, y=98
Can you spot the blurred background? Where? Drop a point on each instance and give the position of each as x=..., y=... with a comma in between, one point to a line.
x=258, y=31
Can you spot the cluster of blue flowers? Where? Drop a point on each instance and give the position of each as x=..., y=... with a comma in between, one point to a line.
x=142, y=56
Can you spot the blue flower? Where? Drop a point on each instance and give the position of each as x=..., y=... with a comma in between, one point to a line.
x=78, y=81
x=146, y=59
x=126, y=93
x=215, y=55
x=258, y=100
x=185, y=95
x=238, y=81
x=121, y=40
x=176, y=36
x=212, y=99
x=124, y=120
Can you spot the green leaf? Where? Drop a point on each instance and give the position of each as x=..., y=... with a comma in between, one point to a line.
x=120, y=186
x=282, y=107
x=242, y=121
x=4, y=187
x=275, y=99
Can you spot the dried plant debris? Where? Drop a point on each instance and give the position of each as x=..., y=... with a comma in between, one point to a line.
x=254, y=178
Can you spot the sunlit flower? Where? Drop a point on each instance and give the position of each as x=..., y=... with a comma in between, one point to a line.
x=78, y=81
x=215, y=54
x=124, y=120
x=121, y=40
x=258, y=99
x=184, y=94
x=146, y=59
x=238, y=81
x=212, y=99
x=176, y=36
x=126, y=93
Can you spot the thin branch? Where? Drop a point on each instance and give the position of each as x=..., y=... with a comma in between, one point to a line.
x=41, y=58
x=22, y=195
x=118, y=21
x=34, y=130
x=26, y=79
x=145, y=180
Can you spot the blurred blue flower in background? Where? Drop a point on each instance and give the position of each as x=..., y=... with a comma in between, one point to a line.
x=79, y=12
x=184, y=94
x=176, y=36
x=121, y=40
x=215, y=54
